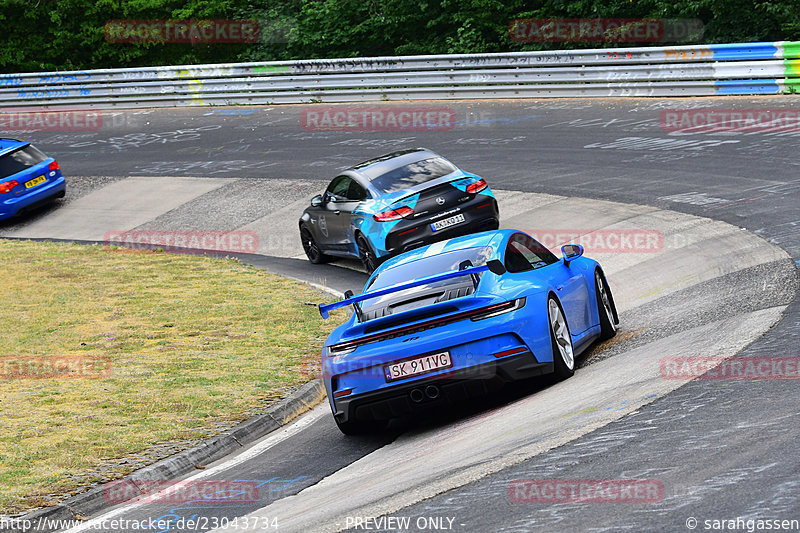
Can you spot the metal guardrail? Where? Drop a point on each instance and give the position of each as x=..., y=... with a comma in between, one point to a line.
x=693, y=70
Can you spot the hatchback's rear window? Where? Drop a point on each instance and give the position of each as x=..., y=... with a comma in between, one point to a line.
x=19, y=160
x=413, y=174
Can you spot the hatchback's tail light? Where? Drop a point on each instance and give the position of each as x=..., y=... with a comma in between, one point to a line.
x=7, y=186
x=393, y=214
x=478, y=186
x=54, y=166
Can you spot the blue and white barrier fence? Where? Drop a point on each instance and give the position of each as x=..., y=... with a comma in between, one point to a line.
x=693, y=70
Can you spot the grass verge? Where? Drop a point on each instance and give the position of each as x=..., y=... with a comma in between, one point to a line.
x=191, y=344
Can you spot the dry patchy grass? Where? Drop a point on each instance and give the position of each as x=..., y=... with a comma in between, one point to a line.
x=193, y=342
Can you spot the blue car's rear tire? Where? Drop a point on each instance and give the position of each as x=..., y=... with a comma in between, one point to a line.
x=605, y=307
x=561, y=339
x=311, y=248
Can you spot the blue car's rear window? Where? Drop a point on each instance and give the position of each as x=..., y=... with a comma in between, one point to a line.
x=413, y=174
x=420, y=268
x=429, y=266
x=19, y=160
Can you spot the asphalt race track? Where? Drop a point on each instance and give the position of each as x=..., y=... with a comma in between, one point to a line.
x=724, y=281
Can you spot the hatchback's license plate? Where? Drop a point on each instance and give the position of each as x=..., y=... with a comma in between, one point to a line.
x=417, y=366
x=35, y=181
x=447, y=222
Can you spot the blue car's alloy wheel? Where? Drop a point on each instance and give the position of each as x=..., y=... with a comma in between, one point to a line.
x=608, y=324
x=563, y=354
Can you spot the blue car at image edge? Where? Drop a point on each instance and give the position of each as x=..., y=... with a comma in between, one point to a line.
x=28, y=178
x=458, y=318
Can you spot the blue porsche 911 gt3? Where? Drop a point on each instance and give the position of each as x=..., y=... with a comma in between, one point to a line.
x=393, y=203
x=450, y=320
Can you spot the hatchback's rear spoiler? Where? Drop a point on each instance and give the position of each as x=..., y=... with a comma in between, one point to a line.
x=494, y=266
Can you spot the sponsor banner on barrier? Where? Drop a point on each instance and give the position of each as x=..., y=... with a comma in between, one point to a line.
x=61, y=120
x=614, y=30
x=357, y=118
x=55, y=367
x=586, y=491
x=181, y=492
x=729, y=120
x=602, y=241
x=735, y=368
x=181, y=31
x=184, y=240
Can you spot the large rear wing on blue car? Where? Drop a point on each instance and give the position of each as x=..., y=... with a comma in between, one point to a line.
x=494, y=266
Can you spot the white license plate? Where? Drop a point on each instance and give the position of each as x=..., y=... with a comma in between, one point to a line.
x=447, y=222
x=415, y=367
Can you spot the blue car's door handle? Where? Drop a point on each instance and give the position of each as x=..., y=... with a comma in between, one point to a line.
x=559, y=288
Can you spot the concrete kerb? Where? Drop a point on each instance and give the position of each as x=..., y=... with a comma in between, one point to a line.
x=208, y=451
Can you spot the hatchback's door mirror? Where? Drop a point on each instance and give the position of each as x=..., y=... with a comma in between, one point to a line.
x=316, y=201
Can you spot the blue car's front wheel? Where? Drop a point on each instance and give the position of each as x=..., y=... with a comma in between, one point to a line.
x=563, y=352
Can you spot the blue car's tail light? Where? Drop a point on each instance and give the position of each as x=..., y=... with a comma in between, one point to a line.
x=499, y=309
x=393, y=214
x=53, y=166
x=8, y=186
x=340, y=349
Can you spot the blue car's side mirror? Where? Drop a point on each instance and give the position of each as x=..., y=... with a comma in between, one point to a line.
x=496, y=267
x=571, y=252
